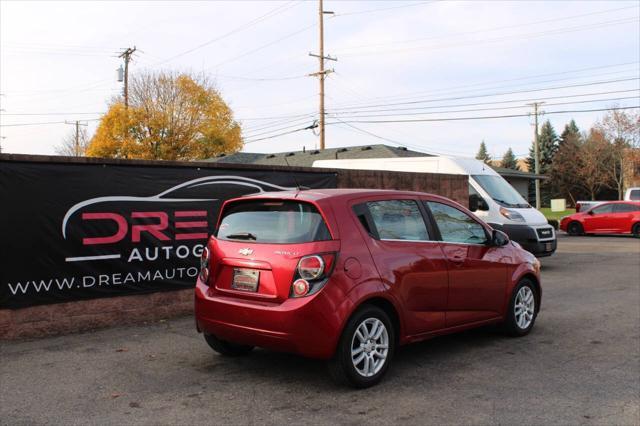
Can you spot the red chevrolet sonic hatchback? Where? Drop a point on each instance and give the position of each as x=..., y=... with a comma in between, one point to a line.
x=348, y=275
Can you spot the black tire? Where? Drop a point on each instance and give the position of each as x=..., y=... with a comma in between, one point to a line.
x=226, y=348
x=635, y=230
x=511, y=324
x=341, y=366
x=575, y=228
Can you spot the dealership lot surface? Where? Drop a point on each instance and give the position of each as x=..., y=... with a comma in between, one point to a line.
x=581, y=364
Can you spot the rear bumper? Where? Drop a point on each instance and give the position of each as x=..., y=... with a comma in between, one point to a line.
x=528, y=238
x=309, y=326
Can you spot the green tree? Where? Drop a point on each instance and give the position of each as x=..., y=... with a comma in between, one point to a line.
x=171, y=116
x=483, y=154
x=565, y=171
x=547, y=145
x=509, y=160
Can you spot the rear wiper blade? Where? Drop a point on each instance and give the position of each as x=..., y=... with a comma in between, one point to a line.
x=242, y=236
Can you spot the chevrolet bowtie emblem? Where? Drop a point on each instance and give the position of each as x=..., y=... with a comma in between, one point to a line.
x=245, y=251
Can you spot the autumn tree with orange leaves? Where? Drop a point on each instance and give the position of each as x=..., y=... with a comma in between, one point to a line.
x=170, y=116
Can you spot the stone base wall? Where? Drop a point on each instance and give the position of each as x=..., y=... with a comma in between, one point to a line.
x=83, y=315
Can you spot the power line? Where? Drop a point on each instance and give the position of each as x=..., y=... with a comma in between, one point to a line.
x=452, y=89
x=277, y=123
x=41, y=123
x=53, y=113
x=496, y=102
x=416, y=147
x=274, y=12
x=275, y=130
x=524, y=24
x=313, y=126
x=495, y=94
x=487, y=109
x=360, y=12
x=251, y=133
x=264, y=46
x=508, y=38
x=419, y=120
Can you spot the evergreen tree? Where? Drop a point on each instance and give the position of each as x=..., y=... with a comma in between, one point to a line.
x=482, y=154
x=565, y=171
x=509, y=160
x=570, y=134
x=548, y=146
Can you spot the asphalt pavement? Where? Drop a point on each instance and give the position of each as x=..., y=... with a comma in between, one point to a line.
x=580, y=365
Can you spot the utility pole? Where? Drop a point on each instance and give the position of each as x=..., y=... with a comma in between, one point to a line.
x=536, y=148
x=322, y=72
x=1, y=137
x=76, y=148
x=126, y=55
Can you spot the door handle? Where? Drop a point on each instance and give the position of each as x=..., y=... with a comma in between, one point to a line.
x=458, y=260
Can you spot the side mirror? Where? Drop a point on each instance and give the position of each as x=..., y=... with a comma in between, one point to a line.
x=499, y=238
x=590, y=212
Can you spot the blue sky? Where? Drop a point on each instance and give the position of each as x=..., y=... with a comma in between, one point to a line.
x=397, y=60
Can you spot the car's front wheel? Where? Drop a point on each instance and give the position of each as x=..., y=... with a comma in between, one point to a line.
x=636, y=230
x=522, y=309
x=365, y=348
x=575, y=228
x=226, y=348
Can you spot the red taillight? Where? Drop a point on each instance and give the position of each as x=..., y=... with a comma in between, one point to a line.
x=312, y=274
x=311, y=267
x=204, y=265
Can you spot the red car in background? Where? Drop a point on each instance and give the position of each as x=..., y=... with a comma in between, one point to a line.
x=615, y=217
x=348, y=275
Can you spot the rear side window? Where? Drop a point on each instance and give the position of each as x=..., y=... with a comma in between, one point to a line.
x=634, y=194
x=272, y=221
x=625, y=208
x=456, y=226
x=398, y=220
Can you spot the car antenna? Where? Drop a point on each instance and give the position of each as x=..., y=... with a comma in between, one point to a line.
x=293, y=175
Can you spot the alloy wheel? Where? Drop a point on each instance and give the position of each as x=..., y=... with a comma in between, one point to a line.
x=369, y=347
x=524, y=307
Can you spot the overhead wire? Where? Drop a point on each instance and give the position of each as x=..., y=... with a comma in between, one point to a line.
x=418, y=120
x=593, y=83
x=464, y=88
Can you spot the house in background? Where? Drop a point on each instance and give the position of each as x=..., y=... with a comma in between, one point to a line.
x=518, y=179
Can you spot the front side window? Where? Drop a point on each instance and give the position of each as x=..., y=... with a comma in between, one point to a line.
x=456, y=226
x=634, y=194
x=398, y=220
x=605, y=209
x=272, y=221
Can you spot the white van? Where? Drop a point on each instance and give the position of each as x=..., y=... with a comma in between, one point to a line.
x=491, y=197
x=632, y=194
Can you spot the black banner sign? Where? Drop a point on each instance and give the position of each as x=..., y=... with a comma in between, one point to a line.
x=81, y=231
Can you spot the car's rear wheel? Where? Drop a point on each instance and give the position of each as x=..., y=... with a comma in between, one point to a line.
x=575, y=228
x=365, y=348
x=636, y=230
x=226, y=348
x=522, y=309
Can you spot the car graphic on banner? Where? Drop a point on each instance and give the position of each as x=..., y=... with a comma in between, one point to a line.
x=167, y=216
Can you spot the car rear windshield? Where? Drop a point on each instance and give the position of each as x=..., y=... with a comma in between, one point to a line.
x=272, y=221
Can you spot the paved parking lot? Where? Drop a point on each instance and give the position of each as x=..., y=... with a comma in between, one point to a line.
x=580, y=365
